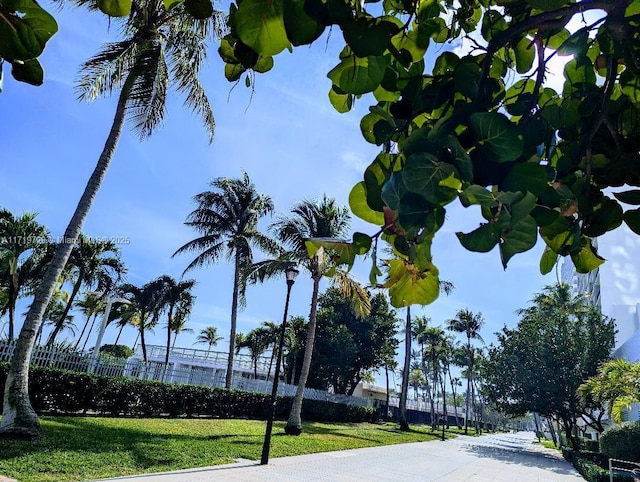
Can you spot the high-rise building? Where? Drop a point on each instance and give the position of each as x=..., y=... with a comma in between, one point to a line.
x=615, y=290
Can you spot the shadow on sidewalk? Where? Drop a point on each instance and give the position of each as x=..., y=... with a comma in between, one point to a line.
x=522, y=457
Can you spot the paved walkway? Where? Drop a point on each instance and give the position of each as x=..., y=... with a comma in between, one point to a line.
x=502, y=457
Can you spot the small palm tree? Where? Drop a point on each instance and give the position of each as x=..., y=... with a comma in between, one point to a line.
x=146, y=303
x=174, y=293
x=469, y=324
x=159, y=48
x=209, y=335
x=257, y=341
x=91, y=306
x=94, y=264
x=22, y=245
x=226, y=219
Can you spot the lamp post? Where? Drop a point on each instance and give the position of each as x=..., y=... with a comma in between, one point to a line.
x=103, y=326
x=291, y=273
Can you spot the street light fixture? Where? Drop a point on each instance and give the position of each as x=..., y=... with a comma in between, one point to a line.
x=291, y=272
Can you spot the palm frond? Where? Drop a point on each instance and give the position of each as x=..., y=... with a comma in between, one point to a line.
x=148, y=94
x=353, y=291
x=106, y=71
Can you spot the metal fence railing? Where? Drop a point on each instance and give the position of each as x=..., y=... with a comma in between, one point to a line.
x=178, y=371
x=624, y=468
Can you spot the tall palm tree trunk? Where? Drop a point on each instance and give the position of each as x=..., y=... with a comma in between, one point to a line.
x=294, y=424
x=86, y=323
x=60, y=325
x=86, y=340
x=120, y=333
x=386, y=399
x=169, y=318
x=455, y=400
x=18, y=417
x=13, y=296
x=402, y=416
x=234, y=317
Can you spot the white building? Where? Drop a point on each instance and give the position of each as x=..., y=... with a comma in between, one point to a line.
x=615, y=289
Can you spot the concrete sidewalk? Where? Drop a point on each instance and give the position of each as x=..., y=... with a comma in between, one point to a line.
x=503, y=457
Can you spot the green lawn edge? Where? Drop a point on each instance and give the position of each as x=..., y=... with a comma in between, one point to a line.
x=85, y=448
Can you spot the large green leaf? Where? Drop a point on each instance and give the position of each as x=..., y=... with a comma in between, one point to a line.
x=525, y=53
x=520, y=237
x=393, y=190
x=528, y=176
x=376, y=128
x=482, y=239
x=341, y=101
x=260, y=25
x=475, y=194
x=358, y=75
x=424, y=174
x=359, y=206
x=301, y=28
x=548, y=260
x=25, y=29
x=408, y=285
x=369, y=36
x=607, y=216
x=629, y=197
x=632, y=219
x=586, y=259
x=30, y=72
x=121, y=8
x=496, y=136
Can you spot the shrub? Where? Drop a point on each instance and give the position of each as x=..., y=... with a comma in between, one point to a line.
x=116, y=351
x=590, y=470
x=61, y=391
x=622, y=441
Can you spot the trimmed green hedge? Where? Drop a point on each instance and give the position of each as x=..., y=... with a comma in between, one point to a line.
x=65, y=392
x=622, y=442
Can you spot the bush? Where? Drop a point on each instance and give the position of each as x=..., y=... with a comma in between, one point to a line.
x=591, y=471
x=622, y=442
x=60, y=391
x=116, y=351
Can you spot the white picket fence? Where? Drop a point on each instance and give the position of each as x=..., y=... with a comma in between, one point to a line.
x=52, y=357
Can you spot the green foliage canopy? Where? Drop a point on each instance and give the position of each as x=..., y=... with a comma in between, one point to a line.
x=538, y=366
x=482, y=126
x=346, y=345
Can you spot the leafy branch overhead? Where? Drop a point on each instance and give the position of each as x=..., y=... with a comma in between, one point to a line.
x=25, y=28
x=484, y=126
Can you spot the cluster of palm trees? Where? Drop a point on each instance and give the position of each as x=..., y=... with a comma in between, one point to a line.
x=93, y=271
x=226, y=220
x=430, y=368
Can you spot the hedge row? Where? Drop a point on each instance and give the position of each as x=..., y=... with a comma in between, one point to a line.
x=64, y=392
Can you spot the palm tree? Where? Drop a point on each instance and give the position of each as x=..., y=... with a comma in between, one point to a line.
x=226, y=219
x=468, y=323
x=22, y=242
x=52, y=315
x=91, y=266
x=310, y=219
x=209, y=335
x=174, y=293
x=91, y=306
x=257, y=341
x=445, y=287
x=181, y=316
x=146, y=303
x=159, y=48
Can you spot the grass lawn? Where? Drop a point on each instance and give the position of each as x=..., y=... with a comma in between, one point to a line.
x=80, y=448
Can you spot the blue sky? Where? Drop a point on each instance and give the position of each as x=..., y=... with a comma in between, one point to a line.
x=286, y=136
